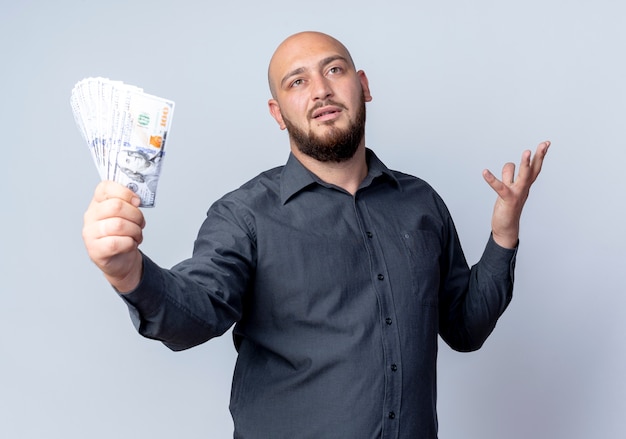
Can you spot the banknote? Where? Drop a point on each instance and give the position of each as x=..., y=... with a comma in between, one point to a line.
x=126, y=131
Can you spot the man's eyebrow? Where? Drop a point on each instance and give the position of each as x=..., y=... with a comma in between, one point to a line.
x=331, y=59
x=322, y=63
x=290, y=74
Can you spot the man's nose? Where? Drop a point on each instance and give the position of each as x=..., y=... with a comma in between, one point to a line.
x=321, y=88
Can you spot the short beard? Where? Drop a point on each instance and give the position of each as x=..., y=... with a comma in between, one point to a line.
x=336, y=146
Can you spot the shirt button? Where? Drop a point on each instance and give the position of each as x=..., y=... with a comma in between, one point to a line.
x=392, y=415
x=394, y=367
x=369, y=234
x=381, y=277
x=388, y=320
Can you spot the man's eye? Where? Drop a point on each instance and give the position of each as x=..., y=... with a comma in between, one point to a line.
x=296, y=83
x=335, y=70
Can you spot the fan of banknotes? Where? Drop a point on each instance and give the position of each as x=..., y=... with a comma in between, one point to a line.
x=125, y=130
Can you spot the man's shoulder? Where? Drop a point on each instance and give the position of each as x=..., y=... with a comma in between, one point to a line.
x=262, y=188
x=416, y=192
x=403, y=179
x=410, y=181
x=271, y=177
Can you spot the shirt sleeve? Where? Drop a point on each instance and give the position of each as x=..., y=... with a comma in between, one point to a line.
x=201, y=297
x=471, y=302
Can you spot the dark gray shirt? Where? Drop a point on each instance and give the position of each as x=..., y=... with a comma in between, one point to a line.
x=337, y=302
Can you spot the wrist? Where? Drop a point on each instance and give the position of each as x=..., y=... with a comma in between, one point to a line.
x=131, y=280
x=509, y=241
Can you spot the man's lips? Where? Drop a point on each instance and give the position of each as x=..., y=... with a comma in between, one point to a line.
x=326, y=111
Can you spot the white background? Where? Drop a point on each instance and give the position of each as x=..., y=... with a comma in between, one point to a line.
x=458, y=86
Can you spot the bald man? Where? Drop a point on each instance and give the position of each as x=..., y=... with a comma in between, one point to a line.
x=337, y=273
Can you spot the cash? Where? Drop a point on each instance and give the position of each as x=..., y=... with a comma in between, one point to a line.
x=125, y=130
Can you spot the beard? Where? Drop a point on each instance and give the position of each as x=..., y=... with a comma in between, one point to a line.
x=337, y=145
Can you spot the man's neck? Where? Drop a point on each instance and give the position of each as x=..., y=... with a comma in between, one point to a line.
x=347, y=175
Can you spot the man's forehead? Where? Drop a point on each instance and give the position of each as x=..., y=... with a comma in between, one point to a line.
x=309, y=47
x=301, y=48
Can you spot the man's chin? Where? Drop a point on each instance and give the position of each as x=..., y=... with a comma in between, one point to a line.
x=328, y=152
x=335, y=140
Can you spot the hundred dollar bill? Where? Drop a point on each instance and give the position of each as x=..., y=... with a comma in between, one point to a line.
x=137, y=159
x=126, y=131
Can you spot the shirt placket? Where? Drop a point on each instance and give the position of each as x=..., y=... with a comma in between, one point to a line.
x=387, y=320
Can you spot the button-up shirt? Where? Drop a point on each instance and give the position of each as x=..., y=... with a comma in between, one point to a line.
x=337, y=302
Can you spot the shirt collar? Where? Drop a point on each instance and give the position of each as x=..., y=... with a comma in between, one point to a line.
x=295, y=177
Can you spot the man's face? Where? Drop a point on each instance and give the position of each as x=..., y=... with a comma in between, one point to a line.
x=319, y=97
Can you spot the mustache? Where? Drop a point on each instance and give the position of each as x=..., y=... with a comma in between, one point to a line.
x=327, y=102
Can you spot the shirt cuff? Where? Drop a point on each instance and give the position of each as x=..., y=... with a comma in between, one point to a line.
x=498, y=260
x=146, y=299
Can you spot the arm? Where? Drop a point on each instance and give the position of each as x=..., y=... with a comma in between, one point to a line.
x=472, y=301
x=512, y=194
x=112, y=232
x=202, y=296
x=196, y=300
x=471, y=305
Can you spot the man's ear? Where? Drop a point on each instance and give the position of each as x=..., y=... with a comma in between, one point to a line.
x=275, y=112
x=365, y=86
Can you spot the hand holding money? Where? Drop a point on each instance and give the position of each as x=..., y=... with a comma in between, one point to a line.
x=126, y=131
x=112, y=232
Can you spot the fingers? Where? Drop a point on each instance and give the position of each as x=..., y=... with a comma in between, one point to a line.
x=508, y=173
x=112, y=200
x=109, y=189
x=508, y=177
x=113, y=208
x=106, y=250
x=498, y=186
x=113, y=223
x=530, y=167
x=112, y=231
x=540, y=154
x=112, y=227
x=513, y=194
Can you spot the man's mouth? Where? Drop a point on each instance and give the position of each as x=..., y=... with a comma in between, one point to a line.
x=326, y=112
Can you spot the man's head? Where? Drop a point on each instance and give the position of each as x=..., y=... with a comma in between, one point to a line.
x=318, y=96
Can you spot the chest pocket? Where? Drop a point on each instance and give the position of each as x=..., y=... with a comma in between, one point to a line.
x=423, y=251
